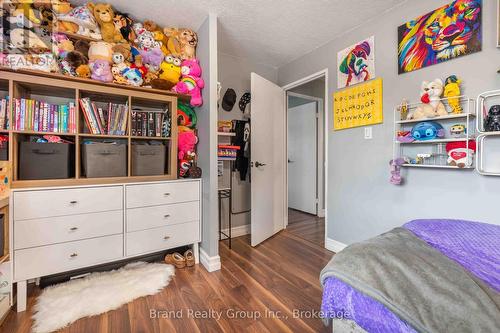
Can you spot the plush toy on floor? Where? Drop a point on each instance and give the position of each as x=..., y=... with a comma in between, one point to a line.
x=191, y=82
x=430, y=96
x=452, y=91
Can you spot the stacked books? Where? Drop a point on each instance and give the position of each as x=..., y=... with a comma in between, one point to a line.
x=4, y=113
x=31, y=115
x=111, y=119
x=149, y=123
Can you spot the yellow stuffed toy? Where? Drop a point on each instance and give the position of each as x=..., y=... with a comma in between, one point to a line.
x=24, y=7
x=104, y=14
x=452, y=89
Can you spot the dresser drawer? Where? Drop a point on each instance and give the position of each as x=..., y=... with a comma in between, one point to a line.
x=160, y=216
x=51, y=259
x=160, y=194
x=47, y=231
x=48, y=203
x=158, y=239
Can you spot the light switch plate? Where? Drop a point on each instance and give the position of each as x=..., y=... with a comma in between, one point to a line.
x=368, y=133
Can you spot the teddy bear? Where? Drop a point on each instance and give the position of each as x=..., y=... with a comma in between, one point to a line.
x=430, y=96
x=104, y=14
x=100, y=70
x=100, y=50
x=191, y=81
x=181, y=42
x=187, y=140
x=83, y=71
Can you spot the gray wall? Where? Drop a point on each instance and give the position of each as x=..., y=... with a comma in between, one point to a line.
x=361, y=202
x=207, y=128
x=234, y=72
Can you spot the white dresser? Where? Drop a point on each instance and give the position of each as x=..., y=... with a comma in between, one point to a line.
x=66, y=228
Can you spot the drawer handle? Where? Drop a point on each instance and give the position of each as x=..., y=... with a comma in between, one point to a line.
x=73, y=202
x=166, y=216
x=166, y=237
x=166, y=194
x=73, y=255
x=73, y=228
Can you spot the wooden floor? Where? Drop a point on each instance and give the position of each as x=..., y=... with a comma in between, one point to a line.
x=307, y=226
x=274, y=281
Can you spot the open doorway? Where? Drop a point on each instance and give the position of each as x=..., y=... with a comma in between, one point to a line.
x=306, y=141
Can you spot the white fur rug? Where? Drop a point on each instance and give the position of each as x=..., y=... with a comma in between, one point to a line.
x=60, y=305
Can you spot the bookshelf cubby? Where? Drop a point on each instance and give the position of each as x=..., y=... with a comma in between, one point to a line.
x=61, y=90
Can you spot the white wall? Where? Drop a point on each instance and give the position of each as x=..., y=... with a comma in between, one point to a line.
x=361, y=202
x=234, y=72
x=207, y=134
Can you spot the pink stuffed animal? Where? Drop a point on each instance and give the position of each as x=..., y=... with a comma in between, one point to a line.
x=191, y=82
x=101, y=70
x=186, y=142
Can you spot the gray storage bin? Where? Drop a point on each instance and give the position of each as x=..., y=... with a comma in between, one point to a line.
x=104, y=160
x=45, y=160
x=148, y=160
x=4, y=151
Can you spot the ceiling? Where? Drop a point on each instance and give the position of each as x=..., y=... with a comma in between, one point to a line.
x=272, y=32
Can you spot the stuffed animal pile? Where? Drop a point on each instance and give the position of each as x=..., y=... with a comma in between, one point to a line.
x=52, y=35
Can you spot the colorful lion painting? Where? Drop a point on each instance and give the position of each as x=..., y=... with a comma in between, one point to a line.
x=356, y=63
x=448, y=32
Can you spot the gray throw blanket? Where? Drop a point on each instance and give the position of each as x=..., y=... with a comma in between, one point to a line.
x=420, y=285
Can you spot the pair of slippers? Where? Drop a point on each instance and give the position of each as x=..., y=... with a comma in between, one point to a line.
x=229, y=100
x=179, y=260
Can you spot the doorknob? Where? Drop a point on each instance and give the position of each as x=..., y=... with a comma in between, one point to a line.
x=258, y=164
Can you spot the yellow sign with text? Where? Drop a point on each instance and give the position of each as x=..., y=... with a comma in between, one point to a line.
x=359, y=105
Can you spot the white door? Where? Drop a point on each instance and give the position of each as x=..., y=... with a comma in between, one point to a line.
x=302, y=159
x=268, y=157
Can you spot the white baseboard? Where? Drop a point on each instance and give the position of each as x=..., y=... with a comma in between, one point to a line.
x=334, y=246
x=238, y=231
x=321, y=213
x=212, y=264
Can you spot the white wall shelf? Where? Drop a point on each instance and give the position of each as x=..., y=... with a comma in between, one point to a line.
x=436, y=147
x=225, y=134
x=483, y=100
x=451, y=116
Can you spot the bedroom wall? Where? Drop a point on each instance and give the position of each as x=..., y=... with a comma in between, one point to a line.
x=361, y=202
x=234, y=72
x=207, y=146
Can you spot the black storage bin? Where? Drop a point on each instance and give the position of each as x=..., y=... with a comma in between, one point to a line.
x=39, y=160
x=104, y=160
x=148, y=160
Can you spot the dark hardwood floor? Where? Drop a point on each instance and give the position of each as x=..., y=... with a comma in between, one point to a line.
x=307, y=226
x=273, y=287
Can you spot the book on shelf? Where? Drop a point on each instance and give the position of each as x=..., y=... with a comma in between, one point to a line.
x=4, y=113
x=38, y=116
x=111, y=119
x=148, y=123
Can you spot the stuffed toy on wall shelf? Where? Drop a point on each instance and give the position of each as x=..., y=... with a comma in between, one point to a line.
x=101, y=70
x=430, y=96
x=452, y=91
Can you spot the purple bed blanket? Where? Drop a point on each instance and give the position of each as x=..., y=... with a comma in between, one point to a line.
x=473, y=245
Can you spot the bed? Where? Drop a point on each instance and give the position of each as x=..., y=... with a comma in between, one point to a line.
x=426, y=276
